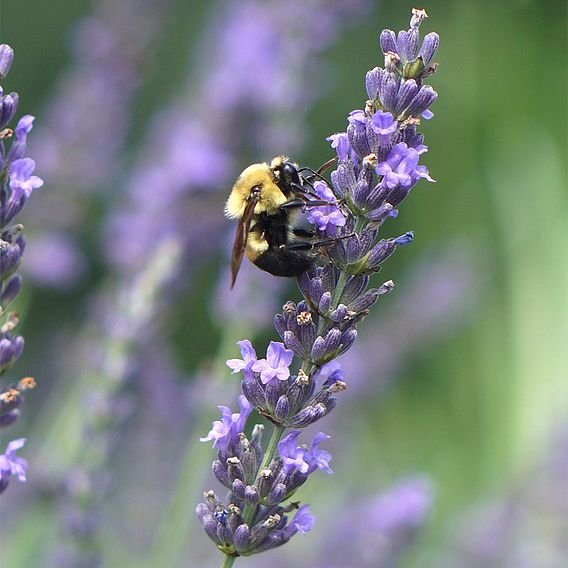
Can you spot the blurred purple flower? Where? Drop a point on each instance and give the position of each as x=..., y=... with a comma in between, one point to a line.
x=436, y=297
x=264, y=98
x=54, y=260
x=405, y=505
x=80, y=144
x=376, y=532
x=523, y=524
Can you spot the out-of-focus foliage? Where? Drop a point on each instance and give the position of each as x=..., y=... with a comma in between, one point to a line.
x=469, y=374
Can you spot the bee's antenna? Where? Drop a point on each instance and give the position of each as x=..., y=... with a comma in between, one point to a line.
x=320, y=171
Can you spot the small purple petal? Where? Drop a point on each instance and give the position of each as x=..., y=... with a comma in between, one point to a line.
x=340, y=142
x=302, y=522
x=325, y=216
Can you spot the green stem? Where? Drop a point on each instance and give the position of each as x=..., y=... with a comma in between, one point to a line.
x=343, y=275
x=277, y=434
x=339, y=289
x=228, y=562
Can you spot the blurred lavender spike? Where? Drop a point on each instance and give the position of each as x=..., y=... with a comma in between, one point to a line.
x=80, y=144
x=523, y=525
x=17, y=183
x=105, y=404
x=375, y=533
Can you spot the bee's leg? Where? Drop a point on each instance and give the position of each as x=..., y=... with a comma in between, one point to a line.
x=304, y=233
x=311, y=192
x=312, y=244
x=305, y=191
x=298, y=202
x=298, y=246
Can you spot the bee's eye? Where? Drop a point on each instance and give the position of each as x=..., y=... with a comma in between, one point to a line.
x=288, y=169
x=255, y=190
x=290, y=172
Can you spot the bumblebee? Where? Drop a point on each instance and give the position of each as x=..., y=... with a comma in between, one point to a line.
x=265, y=200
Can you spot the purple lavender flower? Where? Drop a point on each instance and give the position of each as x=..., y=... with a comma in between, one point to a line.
x=249, y=358
x=230, y=425
x=20, y=179
x=276, y=365
x=325, y=217
x=401, y=167
x=406, y=44
x=6, y=60
x=22, y=182
x=8, y=107
x=302, y=522
x=10, y=464
x=293, y=457
x=384, y=125
x=316, y=458
x=224, y=524
x=11, y=346
x=340, y=142
x=302, y=459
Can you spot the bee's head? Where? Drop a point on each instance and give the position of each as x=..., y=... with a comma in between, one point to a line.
x=286, y=173
x=260, y=184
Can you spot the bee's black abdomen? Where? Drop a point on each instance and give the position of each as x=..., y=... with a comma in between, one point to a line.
x=283, y=262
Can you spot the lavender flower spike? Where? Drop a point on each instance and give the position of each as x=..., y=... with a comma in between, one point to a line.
x=17, y=182
x=297, y=383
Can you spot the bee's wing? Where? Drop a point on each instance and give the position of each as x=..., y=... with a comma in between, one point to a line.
x=240, y=243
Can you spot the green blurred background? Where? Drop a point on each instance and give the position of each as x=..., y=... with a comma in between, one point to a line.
x=476, y=408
